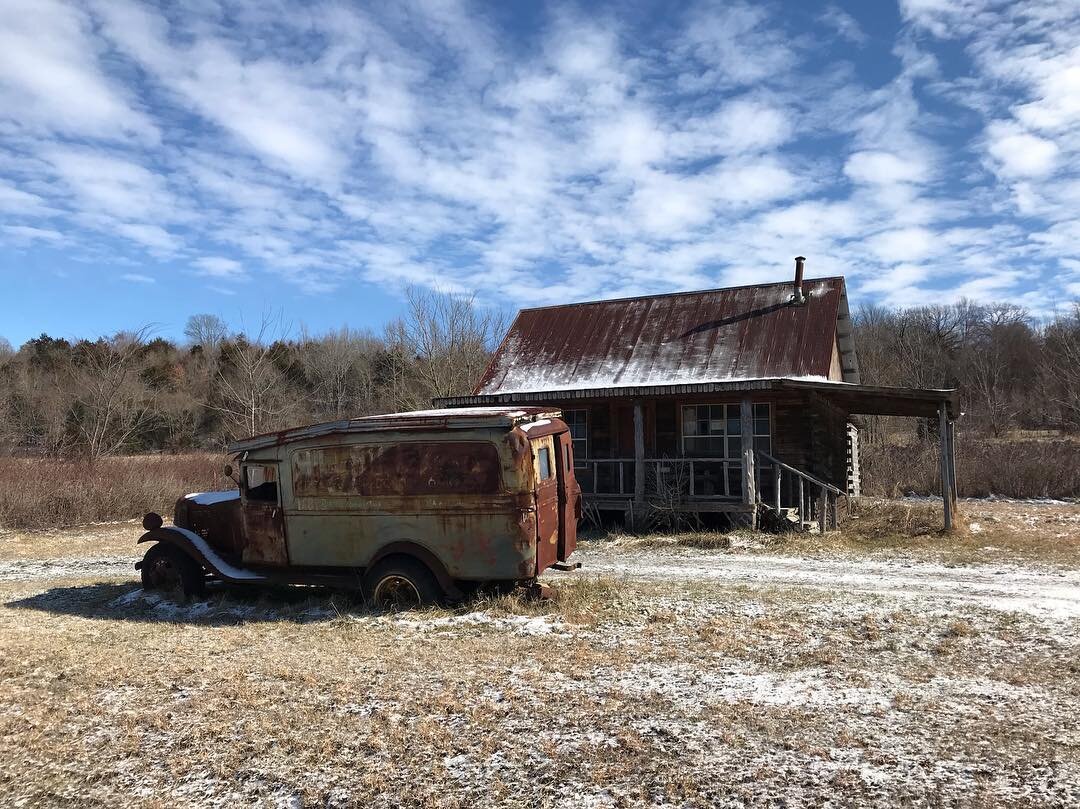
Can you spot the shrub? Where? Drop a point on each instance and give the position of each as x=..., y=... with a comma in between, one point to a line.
x=46, y=492
x=984, y=467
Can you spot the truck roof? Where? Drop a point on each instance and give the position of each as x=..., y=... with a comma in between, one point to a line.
x=457, y=418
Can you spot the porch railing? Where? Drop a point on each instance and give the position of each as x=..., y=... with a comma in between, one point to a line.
x=814, y=500
x=779, y=486
x=693, y=478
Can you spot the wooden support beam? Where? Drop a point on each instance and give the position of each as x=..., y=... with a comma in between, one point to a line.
x=823, y=510
x=952, y=459
x=639, y=455
x=749, y=482
x=946, y=482
x=802, y=504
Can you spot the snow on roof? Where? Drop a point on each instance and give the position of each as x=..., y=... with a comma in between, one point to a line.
x=718, y=335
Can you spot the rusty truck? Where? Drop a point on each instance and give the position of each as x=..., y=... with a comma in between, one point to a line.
x=409, y=508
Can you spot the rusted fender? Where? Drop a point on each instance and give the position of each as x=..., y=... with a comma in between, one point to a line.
x=198, y=549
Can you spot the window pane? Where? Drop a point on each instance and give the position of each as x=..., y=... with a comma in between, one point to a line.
x=734, y=480
x=761, y=426
x=763, y=444
x=734, y=447
x=543, y=461
x=716, y=427
x=761, y=411
x=734, y=426
x=690, y=427
x=688, y=414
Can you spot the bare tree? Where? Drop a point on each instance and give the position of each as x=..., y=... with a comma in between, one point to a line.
x=110, y=404
x=252, y=394
x=208, y=331
x=340, y=367
x=448, y=338
x=1060, y=366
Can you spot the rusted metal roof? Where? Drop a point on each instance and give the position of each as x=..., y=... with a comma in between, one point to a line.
x=718, y=335
x=448, y=419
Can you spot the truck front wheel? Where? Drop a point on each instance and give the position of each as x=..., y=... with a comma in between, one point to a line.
x=171, y=570
x=401, y=583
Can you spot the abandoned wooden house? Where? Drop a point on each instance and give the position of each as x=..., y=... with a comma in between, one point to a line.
x=735, y=401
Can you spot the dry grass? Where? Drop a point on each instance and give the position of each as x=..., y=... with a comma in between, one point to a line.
x=641, y=687
x=986, y=532
x=41, y=493
x=1007, y=467
x=624, y=694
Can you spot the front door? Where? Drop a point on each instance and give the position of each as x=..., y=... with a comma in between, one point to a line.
x=264, y=521
x=547, y=502
x=569, y=495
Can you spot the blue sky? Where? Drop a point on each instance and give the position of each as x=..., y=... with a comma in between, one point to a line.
x=317, y=158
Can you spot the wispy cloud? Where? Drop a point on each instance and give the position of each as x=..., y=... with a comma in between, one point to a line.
x=329, y=145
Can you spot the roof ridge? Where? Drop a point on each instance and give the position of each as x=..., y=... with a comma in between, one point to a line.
x=675, y=294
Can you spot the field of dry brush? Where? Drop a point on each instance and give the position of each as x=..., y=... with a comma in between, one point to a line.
x=672, y=672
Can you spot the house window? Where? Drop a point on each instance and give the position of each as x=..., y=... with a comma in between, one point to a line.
x=714, y=432
x=578, y=422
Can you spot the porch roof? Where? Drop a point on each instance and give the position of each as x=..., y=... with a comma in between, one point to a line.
x=870, y=400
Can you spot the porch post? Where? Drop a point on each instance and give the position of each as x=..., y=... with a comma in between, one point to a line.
x=749, y=483
x=952, y=458
x=946, y=478
x=639, y=455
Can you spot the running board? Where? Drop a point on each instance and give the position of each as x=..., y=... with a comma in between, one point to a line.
x=566, y=566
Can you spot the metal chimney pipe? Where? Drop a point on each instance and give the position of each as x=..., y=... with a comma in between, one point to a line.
x=798, y=297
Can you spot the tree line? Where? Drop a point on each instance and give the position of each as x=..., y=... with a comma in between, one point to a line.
x=1013, y=372
x=134, y=392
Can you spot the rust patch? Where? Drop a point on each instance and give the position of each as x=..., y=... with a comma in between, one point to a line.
x=408, y=468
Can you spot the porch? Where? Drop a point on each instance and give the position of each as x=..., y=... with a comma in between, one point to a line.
x=752, y=449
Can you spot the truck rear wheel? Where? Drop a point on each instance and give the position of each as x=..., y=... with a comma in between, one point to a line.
x=169, y=569
x=401, y=583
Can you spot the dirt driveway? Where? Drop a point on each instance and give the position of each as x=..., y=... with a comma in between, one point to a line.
x=668, y=677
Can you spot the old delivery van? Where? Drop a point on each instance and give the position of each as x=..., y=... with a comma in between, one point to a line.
x=410, y=508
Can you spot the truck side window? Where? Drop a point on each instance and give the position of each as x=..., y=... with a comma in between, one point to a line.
x=543, y=461
x=261, y=483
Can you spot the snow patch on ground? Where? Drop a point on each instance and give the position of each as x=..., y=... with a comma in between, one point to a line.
x=32, y=569
x=1047, y=594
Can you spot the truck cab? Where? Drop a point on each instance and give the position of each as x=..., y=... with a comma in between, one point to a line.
x=409, y=507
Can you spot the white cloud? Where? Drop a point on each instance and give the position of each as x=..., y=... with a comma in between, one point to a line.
x=151, y=236
x=220, y=267
x=373, y=145
x=137, y=278
x=110, y=185
x=844, y=24
x=1019, y=153
x=903, y=244
x=25, y=234
x=51, y=78
x=883, y=168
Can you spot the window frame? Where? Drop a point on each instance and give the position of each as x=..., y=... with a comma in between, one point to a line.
x=580, y=418
x=245, y=470
x=726, y=436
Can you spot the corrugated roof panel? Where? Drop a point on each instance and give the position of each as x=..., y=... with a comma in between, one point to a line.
x=749, y=332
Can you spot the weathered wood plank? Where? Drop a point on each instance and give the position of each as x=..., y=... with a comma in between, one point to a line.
x=946, y=482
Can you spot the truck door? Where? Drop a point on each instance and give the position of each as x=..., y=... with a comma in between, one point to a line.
x=569, y=495
x=547, y=502
x=264, y=522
